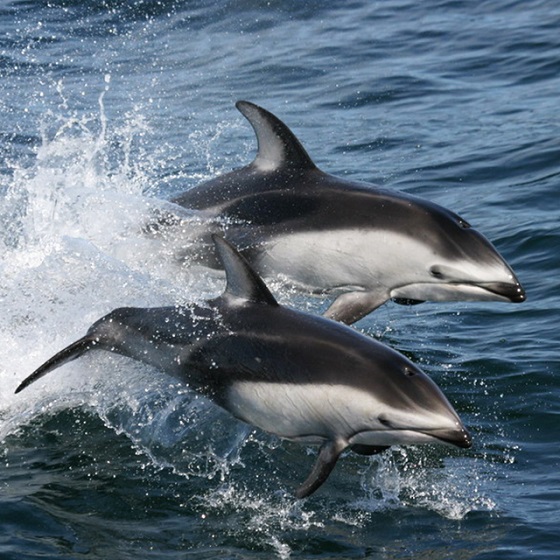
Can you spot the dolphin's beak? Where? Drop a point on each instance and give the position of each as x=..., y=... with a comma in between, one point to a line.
x=459, y=436
x=512, y=291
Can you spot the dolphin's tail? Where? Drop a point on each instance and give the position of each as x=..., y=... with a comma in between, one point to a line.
x=75, y=350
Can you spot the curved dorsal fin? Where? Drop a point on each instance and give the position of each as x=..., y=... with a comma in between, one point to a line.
x=278, y=146
x=242, y=281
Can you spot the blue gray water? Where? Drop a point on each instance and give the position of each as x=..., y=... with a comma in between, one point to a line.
x=107, y=108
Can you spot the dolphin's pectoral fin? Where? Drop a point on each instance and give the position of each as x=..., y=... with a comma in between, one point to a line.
x=69, y=353
x=328, y=456
x=368, y=449
x=352, y=306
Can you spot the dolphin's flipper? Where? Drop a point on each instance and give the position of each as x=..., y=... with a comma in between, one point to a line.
x=352, y=306
x=278, y=146
x=368, y=449
x=242, y=281
x=328, y=456
x=75, y=350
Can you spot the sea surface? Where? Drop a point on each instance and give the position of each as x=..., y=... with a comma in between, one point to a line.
x=108, y=109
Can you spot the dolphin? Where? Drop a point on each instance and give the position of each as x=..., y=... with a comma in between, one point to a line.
x=355, y=241
x=293, y=374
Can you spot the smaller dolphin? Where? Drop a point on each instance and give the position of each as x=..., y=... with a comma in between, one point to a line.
x=353, y=241
x=298, y=376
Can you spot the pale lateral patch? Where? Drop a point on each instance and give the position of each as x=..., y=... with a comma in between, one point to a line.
x=374, y=260
x=314, y=413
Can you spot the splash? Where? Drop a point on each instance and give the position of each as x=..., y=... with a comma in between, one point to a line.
x=73, y=247
x=410, y=477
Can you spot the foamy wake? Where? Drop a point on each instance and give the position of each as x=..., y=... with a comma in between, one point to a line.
x=73, y=245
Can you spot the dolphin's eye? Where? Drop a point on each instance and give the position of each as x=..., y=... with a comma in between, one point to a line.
x=409, y=372
x=464, y=224
x=383, y=421
x=436, y=272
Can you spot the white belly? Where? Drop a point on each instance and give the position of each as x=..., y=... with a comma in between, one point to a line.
x=344, y=259
x=305, y=412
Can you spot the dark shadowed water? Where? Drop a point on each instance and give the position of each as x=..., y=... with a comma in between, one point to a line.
x=108, y=107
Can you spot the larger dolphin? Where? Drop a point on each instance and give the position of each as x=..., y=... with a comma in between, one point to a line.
x=358, y=242
x=296, y=375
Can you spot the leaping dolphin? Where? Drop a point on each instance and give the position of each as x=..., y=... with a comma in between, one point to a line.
x=358, y=242
x=299, y=376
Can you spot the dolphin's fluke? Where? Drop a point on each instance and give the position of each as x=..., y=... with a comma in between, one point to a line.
x=278, y=146
x=242, y=281
x=75, y=350
x=328, y=456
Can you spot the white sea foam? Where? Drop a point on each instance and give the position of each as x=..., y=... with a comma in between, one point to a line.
x=75, y=249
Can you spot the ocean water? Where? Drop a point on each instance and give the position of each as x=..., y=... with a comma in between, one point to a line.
x=110, y=108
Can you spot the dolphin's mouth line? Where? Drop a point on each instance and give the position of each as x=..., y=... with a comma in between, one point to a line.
x=428, y=291
x=458, y=438
x=514, y=291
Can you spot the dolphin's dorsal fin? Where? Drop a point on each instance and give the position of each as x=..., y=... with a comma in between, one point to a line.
x=242, y=281
x=278, y=146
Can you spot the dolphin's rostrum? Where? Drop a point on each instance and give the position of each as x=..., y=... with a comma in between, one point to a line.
x=357, y=242
x=302, y=377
